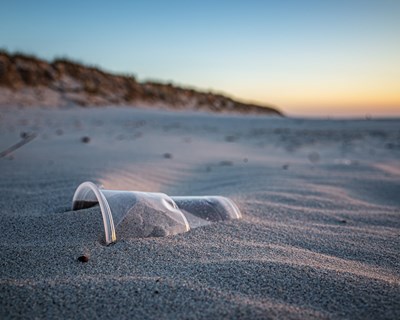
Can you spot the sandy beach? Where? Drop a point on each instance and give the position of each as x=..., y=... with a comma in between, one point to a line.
x=319, y=237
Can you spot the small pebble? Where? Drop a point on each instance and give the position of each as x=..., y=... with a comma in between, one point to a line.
x=83, y=259
x=156, y=292
x=167, y=155
x=85, y=139
x=343, y=221
x=24, y=135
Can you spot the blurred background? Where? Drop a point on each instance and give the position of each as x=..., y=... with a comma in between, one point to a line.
x=309, y=58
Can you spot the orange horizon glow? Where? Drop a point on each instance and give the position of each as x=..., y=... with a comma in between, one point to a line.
x=357, y=111
x=380, y=100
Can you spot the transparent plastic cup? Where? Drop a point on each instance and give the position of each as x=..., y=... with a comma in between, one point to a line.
x=203, y=210
x=137, y=214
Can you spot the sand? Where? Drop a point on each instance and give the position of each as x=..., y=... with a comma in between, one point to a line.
x=319, y=238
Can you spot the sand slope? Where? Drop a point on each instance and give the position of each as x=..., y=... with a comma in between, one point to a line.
x=320, y=237
x=26, y=80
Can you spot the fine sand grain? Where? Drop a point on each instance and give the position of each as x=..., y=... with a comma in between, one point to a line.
x=319, y=238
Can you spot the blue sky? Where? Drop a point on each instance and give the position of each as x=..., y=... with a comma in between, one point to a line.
x=308, y=57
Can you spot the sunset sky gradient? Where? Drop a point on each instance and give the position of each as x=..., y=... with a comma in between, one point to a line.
x=309, y=58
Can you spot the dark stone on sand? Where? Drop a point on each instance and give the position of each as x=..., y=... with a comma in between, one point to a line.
x=24, y=135
x=83, y=259
x=85, y=139
x=167, y=155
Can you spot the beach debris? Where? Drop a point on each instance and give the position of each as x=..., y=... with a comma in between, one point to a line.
x=135, y=214
x=26, y=137
x=85, y=139
x=83, y=259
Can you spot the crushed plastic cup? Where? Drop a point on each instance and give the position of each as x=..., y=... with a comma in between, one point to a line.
x=136, y=214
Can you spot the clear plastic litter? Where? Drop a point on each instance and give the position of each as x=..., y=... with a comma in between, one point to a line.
x=135, y=214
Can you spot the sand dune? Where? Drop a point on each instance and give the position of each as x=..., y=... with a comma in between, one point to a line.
x=29, y=81
x=319, y=236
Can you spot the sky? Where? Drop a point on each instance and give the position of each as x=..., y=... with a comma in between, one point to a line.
x=336, y=58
